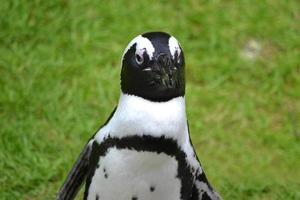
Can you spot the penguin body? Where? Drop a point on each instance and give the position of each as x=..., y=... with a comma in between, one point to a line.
x=144, y=151
x=142, y=147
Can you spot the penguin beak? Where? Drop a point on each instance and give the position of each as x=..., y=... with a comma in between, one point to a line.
x=164, y=71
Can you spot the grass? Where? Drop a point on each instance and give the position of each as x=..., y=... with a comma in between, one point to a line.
x=59, y=67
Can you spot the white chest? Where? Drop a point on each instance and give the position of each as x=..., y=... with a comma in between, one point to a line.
x=137, y=116
x=124, y=174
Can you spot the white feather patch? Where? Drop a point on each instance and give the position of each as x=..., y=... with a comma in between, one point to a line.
x=174, y=46
x=138, y=116
x=125, y=174
x=142, y=45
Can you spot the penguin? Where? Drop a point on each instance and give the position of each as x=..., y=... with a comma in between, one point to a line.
x=144, y=150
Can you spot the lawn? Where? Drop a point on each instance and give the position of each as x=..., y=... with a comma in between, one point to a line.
x=59, y=81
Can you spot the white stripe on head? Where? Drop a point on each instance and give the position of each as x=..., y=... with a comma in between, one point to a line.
x=174, y=46
x=142, y=45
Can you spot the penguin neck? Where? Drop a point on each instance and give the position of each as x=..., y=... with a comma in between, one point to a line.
x=138, y=116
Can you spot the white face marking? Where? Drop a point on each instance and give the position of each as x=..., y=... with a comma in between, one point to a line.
x=142, y=45
x=124, y=173
x=174, y=46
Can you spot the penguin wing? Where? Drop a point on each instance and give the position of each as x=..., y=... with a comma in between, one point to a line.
x=77, y=175
x=202, y=190
x=80, y=170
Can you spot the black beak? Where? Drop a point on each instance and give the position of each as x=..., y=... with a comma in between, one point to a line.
x=165, y=70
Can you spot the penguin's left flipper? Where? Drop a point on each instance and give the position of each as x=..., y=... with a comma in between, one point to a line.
x=202, y=190
x=77, y=175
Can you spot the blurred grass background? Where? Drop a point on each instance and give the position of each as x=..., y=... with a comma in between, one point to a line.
x=59, y=81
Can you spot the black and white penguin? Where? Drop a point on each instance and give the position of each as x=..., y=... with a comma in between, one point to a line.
x=144, y=151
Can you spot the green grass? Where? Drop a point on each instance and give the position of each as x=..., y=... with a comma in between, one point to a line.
x=59, y=80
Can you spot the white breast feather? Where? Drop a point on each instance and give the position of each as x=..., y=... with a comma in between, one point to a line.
x=130, y=173
x=137, y=116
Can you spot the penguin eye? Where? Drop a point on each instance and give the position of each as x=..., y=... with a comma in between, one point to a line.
x=139, y=59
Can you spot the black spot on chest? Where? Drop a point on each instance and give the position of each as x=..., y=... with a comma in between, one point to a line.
x=152, y=188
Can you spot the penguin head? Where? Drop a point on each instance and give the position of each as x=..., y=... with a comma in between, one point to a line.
x=153, y=67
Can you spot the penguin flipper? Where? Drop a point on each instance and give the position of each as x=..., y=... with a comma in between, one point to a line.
x=77, y=175
x=202, y=190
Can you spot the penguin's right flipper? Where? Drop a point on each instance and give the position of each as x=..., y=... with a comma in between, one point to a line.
x=77, y=175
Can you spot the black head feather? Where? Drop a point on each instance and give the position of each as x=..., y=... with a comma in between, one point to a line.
x=153, y=67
